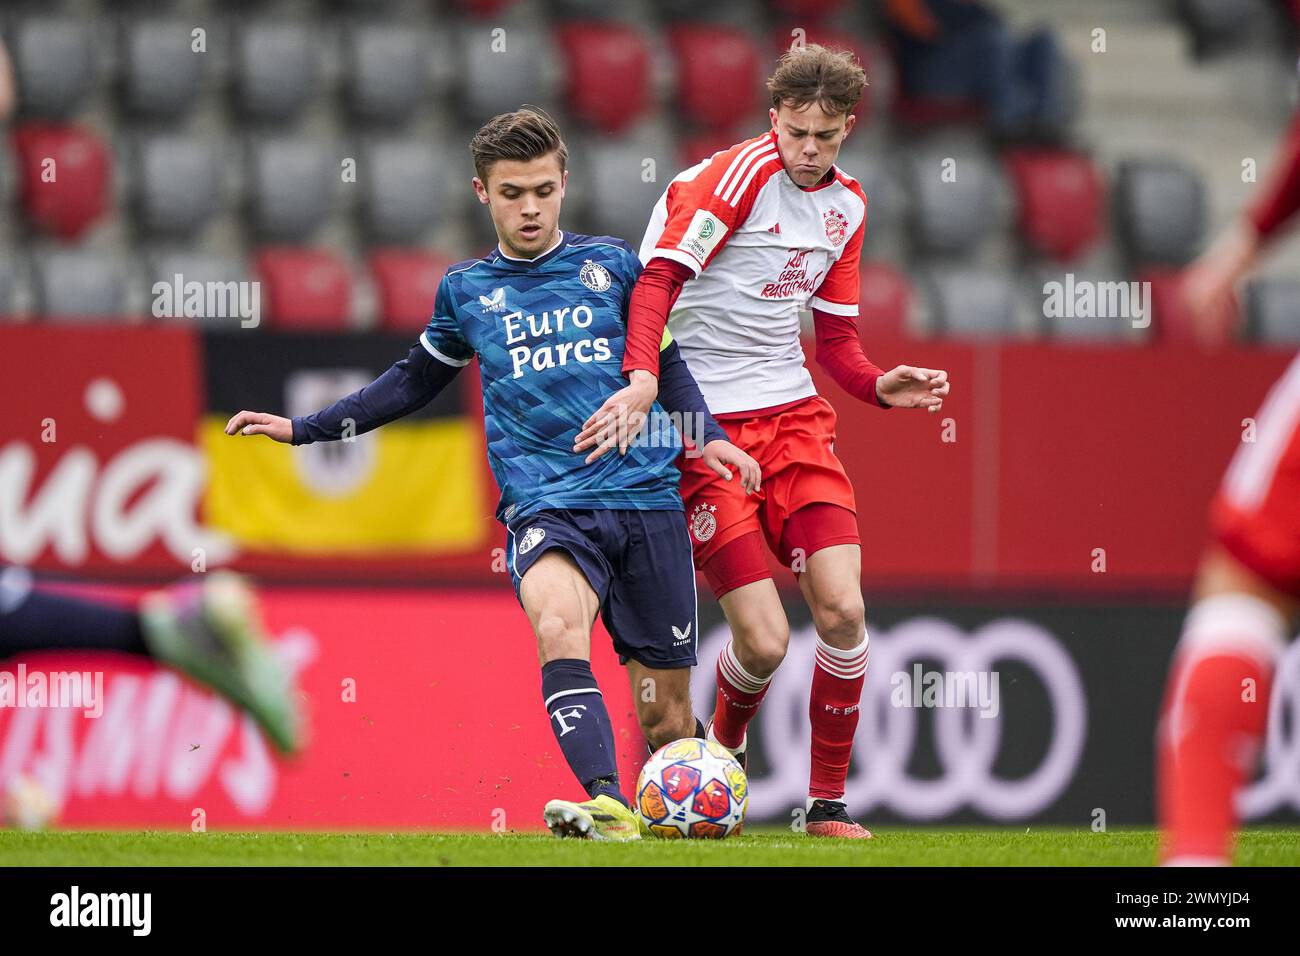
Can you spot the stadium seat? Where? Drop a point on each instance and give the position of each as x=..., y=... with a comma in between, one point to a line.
x=483, y=8
x=1273, y=311
x=608, y=73
x=304, y=288
x=1160, y=211
x=618, y=199
x=406, y=281
x=198, y=267
x=973, y=303
x=1060, y=200
x=8, y=283
x=884, y=300
x=291, y=187
x=1218, y=26
x=404, y=188
x=274, y=68
x=719, y=73
x=387, y=71
x=806, y=9
x=495, y=81
x=63, y=175
x=176, y=185
x=72, y=285
x=952, y=205
x=161, y=73
x=697, y=147
x=53, y=64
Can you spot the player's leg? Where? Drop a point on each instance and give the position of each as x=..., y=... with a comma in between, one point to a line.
x=558, y=573
x=1216, y=707
x=651, y=615
x=727, y=538
x=1248, y=587
x=831, y=584
x=813, y=517
x=663, y=703
x=208, y=630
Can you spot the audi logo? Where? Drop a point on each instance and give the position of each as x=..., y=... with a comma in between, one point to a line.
x=965, y=744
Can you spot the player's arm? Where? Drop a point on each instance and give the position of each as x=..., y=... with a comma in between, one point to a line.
x=1210, y=280
x=679, y=395
x=408, y=386
x=839, y=347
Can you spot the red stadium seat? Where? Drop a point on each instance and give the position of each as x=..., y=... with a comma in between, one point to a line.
x=806, y=9
x=608, y=79
x=304, y=288
x=884, y=300
x=1061, y=201
x=719, y=73
x=406, y=281
x=483, y=8
x=64, y=177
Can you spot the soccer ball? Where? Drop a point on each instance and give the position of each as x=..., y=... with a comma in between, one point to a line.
x=692, y=788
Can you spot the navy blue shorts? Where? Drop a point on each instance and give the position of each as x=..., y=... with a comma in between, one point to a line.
x=638, y=563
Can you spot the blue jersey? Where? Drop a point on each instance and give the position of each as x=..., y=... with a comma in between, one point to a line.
x=548, y=333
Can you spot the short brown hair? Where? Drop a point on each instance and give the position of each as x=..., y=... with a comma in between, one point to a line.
x=525, y=134
x=814, y=74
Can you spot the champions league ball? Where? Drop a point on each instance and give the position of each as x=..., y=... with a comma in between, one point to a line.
x=692, y=788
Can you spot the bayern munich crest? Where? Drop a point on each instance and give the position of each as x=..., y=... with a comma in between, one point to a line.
x=837, y=225
x=594, y=276
x=529, y=540
x=703, y=523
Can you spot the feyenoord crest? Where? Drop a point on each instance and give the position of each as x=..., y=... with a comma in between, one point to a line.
x=703, y=524
x=594, y=276
x=529, y=540
x=837, y=225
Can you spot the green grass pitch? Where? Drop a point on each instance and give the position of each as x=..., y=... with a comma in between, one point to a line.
x=761, y=847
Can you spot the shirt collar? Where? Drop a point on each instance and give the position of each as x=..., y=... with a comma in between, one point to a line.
x=560, y=240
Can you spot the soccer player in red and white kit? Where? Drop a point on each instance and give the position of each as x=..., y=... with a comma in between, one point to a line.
x=1247, y=588
x=737, y=246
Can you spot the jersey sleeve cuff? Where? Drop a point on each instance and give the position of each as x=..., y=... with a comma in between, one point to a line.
x=444, y=359
x=677, y=255
x=834, y=308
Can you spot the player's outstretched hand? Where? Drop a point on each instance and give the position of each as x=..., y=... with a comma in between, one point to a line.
x=719, y=454
x=910, y=387
x=617, y=423
x=260, y=423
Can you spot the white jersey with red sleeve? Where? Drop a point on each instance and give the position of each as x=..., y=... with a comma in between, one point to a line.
x=762, y=250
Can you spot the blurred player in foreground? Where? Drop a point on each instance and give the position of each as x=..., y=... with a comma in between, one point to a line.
x=1247, y=589
x=736, y=247
x=544, y=313
x=207, y=630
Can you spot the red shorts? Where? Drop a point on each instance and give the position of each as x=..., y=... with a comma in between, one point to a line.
x=1256, y=514
x=794, y=450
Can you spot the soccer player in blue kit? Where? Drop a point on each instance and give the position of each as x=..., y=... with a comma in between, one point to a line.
x=545, y=313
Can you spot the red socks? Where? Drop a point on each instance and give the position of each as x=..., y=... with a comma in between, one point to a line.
x=739, y=694
x=833, y=711
x=1212, y=723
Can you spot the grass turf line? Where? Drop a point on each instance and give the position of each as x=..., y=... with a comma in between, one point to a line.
x=770, y=847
